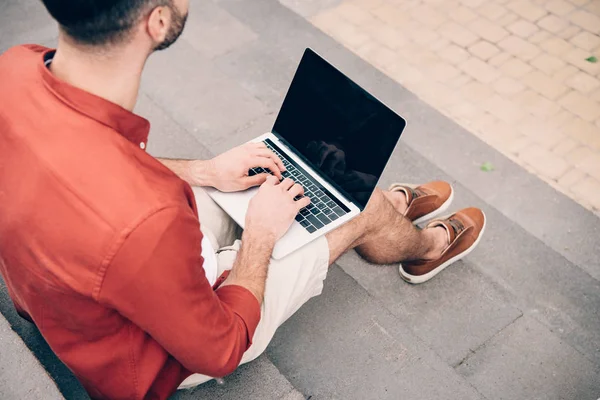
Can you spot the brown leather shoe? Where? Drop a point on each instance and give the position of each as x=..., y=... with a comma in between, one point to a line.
x=464, y=229
x=425, y=201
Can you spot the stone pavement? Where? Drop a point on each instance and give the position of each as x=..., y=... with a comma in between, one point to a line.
x=512, y=72
x=517, y=319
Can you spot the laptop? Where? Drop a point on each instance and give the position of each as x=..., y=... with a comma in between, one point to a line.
x=334, y=139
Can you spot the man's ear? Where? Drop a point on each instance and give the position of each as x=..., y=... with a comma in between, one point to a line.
x=159, y=22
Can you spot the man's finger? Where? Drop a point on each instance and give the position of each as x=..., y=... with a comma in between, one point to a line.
x=269, y=154
x=271, y=180
x=296, y=190
x=265, y=162
x=255, y=180
x=303, y=202
x=286, y=184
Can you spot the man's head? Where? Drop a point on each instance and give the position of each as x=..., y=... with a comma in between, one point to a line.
x=115, y=22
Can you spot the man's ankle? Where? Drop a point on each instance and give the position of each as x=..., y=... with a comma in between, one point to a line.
x=438, y=240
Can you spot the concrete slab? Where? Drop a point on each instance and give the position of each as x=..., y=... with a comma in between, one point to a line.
x=21, y=374
x=196, y=95
x=25, y=22
x=213, y=31
x=68, y=385
x=258, y=380
x=346, y=345
x=453, y=314
x=167, y=138
x=516, y=364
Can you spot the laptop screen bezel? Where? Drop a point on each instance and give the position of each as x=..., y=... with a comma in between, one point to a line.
x=281, y=135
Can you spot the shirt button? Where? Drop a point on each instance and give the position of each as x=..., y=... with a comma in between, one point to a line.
x=142, y=145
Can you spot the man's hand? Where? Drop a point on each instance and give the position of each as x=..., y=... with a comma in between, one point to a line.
x=229, y=170
x=272, y=211
x=269, y=216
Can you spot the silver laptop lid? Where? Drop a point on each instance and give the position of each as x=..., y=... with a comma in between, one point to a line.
x=338, y=128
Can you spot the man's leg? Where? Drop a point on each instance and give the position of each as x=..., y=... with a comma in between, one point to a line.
x=382, y=235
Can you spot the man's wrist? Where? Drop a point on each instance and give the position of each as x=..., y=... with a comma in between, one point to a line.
x=201, y=173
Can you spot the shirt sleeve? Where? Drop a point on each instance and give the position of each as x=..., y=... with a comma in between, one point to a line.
x=156, y=280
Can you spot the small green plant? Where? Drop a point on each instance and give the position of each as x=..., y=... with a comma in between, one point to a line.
x=592, y=59
x=487, y=167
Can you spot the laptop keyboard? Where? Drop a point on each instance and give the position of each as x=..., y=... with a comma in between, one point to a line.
x=322, y=210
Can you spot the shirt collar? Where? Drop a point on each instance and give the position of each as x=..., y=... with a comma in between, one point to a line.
x=133, y=127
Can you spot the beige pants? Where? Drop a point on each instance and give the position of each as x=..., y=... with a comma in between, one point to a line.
x=291, y=281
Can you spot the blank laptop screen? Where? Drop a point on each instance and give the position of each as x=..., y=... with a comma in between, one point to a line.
x=338, y=127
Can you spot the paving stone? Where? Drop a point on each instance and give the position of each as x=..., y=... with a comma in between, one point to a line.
x=586, y=20
x=488, y=30
x=519, y=47
x=547, y=63
x=504, y=109
x=453, y=54
x=527, y=10
x=257, y=380
x=386, y=35
x=544, y=84
x=522, y=28
x=479, y=70
x=568, y=33
x=515, y=68
x=544, y=161
x=508, y=86
x=354, y=14
x=349, y=323
x=507, y=18
x=583, y=82
x=539, y=107
x=588, y=189
x=484, y=50
x=559, y=374
x=499, y=59
x=580, y=105
x=491, y=11
x=539, y=37
x=462, y=15
x=590, y=165
x=559, y=7
x=586, y=41
x=578, y=58
x=565, y=145
x=457, y=34
x=556, y=46
x=571, y=177
x=552, y=23
x=584, y=132
x=309, y=8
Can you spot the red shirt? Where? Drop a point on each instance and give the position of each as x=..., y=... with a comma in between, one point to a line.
x=100, y=243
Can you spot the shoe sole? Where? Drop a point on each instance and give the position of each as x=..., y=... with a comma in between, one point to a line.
x=435, y=212
x=416, y=279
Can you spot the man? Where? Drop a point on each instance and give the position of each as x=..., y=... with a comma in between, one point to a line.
x=111, y=253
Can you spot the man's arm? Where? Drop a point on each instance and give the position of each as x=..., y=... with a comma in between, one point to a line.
x=156, y=280
x=194, y=172
x=228, y=172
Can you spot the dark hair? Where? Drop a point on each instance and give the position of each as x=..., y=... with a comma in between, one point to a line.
x=98, y=22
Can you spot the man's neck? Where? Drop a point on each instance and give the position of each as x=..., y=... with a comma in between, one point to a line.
x=114, y=76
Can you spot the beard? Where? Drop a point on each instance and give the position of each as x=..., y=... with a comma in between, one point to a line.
x=176, y=28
